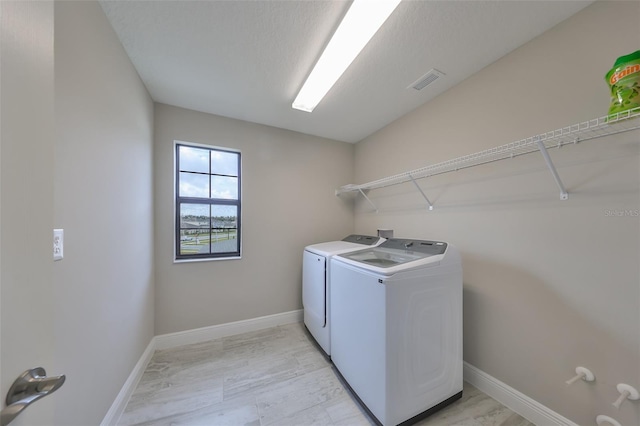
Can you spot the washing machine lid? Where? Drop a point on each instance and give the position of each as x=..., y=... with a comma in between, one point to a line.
x=395, y=252
x=347, y=244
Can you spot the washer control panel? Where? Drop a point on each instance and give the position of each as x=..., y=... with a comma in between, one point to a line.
x=422, y=246
x=367, y=240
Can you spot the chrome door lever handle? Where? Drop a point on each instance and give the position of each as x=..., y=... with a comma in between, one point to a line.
x=29, y=387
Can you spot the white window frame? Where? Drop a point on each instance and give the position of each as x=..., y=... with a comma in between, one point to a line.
x=177, y=257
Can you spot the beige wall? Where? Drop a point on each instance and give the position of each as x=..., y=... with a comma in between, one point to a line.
x=26, y=196
x=103, y=289
x=548, y=284
x=288, y=182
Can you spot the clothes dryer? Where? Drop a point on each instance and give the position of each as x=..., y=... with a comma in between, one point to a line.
x=396, y=318
x=316, y=283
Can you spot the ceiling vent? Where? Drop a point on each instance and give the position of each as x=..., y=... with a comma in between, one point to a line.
x=431, y=76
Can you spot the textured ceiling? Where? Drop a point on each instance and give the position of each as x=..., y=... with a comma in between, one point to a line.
x=248, y=59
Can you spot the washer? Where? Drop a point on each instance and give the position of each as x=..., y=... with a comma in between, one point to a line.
x=396, y=338
x=315, y=283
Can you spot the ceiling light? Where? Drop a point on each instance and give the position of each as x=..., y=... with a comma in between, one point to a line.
x=361, y=22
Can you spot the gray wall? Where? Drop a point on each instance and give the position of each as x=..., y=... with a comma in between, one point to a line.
x=103, y=289
x=288, y=182
x=548, y=284
x=26, y=196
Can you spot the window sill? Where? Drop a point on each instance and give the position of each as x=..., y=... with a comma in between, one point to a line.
x=209, y=259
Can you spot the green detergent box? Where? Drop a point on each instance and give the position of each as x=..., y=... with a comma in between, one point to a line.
x=624, y=80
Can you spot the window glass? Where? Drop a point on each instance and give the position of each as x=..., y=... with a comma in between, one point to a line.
x=224, y=187
x=224, y=163
x=224, y=229
x=194, y=159
x=194, y=216
x=194, y=185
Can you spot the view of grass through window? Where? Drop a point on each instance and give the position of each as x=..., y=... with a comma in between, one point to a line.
x=208, y=202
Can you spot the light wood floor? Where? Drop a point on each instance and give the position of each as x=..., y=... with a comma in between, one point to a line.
x=274, y=376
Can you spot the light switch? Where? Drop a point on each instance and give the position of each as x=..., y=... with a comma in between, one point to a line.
x=58, y=244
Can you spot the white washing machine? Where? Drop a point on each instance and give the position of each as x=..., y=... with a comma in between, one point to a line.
x=315, y=283
x=396, y=318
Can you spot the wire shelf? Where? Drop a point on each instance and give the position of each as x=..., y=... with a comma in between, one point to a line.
x=592, y=129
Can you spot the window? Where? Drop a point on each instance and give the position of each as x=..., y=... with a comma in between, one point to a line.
x=207, y=202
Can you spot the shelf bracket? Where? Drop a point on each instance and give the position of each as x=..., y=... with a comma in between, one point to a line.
x=367, y=198
x=543, y=150
x=421, y=192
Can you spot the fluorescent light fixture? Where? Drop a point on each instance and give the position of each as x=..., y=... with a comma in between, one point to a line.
x=362, y=21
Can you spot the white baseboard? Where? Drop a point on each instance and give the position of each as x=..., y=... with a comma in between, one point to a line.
x=506, y=395
x=197, y=335
x=117, y=408
x=172, y=340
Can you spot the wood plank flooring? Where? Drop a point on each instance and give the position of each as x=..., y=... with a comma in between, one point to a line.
x=274, y=376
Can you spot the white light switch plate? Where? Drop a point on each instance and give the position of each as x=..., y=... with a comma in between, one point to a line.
x=58, y=244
